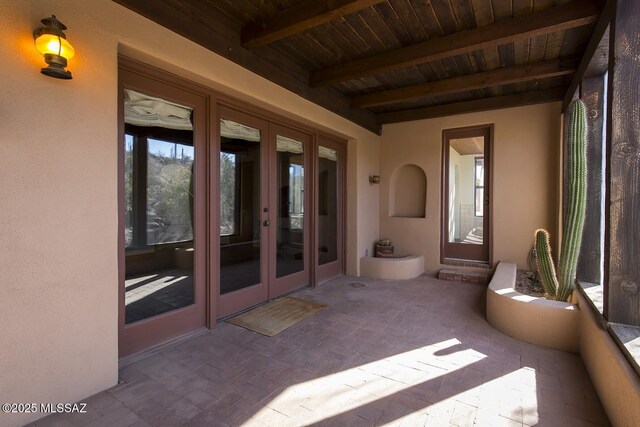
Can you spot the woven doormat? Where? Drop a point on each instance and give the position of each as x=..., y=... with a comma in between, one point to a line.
x=274, y=317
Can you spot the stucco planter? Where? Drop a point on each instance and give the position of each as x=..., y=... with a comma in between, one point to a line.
x=402, y=268
x=536, y=320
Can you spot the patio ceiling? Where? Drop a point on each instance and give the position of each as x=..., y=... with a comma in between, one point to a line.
x=385, y=61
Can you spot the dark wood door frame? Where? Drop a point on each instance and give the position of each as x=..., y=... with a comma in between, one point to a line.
x=458, y=251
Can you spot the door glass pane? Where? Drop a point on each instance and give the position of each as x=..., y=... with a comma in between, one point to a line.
x=159, y=200
x=327, y=205
x=290, y=205
x=466, y=190
x=239, y=206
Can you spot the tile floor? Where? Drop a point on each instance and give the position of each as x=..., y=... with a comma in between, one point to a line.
x=410, y=353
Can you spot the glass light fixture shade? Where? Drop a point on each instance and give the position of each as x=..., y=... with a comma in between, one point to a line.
x=54, y=45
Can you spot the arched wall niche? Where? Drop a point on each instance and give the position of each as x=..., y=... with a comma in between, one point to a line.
x=408, y=192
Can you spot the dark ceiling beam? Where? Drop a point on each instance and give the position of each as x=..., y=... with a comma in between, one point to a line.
x=557, y=18
x=476, y=105
x=276, y=68
x=493, y=78
x=600, y=32
x=299, y=18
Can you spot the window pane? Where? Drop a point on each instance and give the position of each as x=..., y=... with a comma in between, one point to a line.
x=327, y=205
x=479, y=201
x=228, y=194
x=128, y=190
x=169, y=198
x=290, y=231
x=479, y=183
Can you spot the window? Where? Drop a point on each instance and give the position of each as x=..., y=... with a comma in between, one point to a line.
x=128, y=190
x=158, y=187
x=478, y=183
x=229, y=209
x=169, y=192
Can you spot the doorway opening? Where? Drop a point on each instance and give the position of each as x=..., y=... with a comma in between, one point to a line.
x=466, y=202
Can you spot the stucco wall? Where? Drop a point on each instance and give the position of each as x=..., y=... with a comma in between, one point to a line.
x=525, y=182
x=617, y=384
x=58, y=223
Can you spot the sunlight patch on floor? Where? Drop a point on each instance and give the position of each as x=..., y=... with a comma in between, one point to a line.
x=353, y=388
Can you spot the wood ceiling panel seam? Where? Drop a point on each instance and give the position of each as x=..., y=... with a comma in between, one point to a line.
x=380, y=29
x=392, y=21
x=343, y=28
x=364, y=32
x=328, y=44
x=409, y=19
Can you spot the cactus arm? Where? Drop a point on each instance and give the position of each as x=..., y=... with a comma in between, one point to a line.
x=546, y=269
x=576, y=200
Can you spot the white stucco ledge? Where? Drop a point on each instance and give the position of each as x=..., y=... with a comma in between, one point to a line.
x=400, y=268
x=536, y=320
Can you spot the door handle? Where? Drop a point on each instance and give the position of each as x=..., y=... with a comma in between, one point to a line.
x=266, y=223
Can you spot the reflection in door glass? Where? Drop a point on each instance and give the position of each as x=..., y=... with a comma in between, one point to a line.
x=327, y=205
x=159, y=200
x=240, y=203
x=290, y=227
x=466, y=190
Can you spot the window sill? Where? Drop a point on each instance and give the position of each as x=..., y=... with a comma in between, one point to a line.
x=626, y=337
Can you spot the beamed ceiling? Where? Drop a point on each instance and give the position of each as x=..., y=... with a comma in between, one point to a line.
x=386, y=61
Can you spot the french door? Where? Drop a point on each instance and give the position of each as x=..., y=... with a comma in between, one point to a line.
x=219, y=209
x=162, y=187
x=466, y=199
x=264, y=233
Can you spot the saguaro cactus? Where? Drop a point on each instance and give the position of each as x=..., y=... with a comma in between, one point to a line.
x=576, y=140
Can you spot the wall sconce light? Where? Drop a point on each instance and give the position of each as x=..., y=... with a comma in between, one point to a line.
x=374, y=179
x=52, y=43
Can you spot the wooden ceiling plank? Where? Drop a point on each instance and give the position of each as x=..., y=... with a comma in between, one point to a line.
x=393, y=23
x=477, y=105
x=451, y=23
x=463, y=10
x=569, y=15
x=484, y=16
x=299, y=18
x=521, y=47
x=409, y=19
x=427, y=18
x=502, y=76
